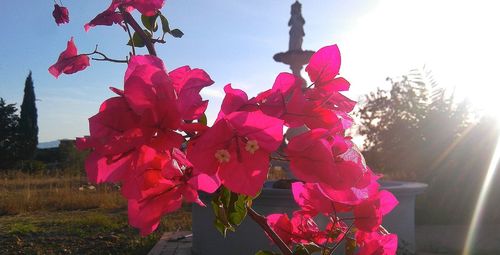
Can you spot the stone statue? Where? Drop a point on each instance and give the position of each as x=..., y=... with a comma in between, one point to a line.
x=295, y=57
x=296, y=25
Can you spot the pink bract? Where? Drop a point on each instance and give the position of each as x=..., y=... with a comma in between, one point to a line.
x=60, y=14
x=150, y=93
x=159, y=184
x=235, y=100
x=374, y=243
x=69, y=61
x=310, y=198
x=368, y=215
x=188, y=83
x=146, y=7
x=112, y=14
x=301, y=228
x=314, y=157
x=237, y=149
x=282, y=225
x=324, y=65
x=305, y=230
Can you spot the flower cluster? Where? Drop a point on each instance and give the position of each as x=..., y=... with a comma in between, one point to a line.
x=152, y=138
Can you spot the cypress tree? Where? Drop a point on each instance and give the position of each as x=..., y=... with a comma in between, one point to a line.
x=28, y=127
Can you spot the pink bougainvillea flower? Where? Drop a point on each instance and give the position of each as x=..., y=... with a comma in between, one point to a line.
x=314, y=157
x=235, y=100
x=281, y=224
x=368, y=214
x=146, y=7
x=305, y=229
x=105, y=18
x=331, y=161
x=188, y=83
x=159, y=185
x=138, y=60
x=310, y=198
x=237, y=149
x=114, y=134
x=301, y=228
x=109, y=16
x=145, y=113
x=69, y=61
x=150, y=94
x=335, y=231
x=366, y=187
x=329, y=97
x=324, y=65
x=183, y=171
x=147, y=176
x=112, y=14
x=374, y=243
x=300, y=111
x=271, y=102
x=60, y=14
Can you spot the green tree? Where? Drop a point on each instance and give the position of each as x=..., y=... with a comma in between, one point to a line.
x=70, y=158
x=391, y=123
x=417, y=131
x=28, y=127
x=9, y=122
x=410, y=126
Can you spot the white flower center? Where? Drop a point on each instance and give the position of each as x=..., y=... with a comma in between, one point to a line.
x=222, y=156
x=252, y=146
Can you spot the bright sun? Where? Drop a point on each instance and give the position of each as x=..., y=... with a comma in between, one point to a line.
x=457, y=40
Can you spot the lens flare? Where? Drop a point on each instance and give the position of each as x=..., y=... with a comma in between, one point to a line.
x=483, y=195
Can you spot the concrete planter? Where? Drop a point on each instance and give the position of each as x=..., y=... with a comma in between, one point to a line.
x=401, y=220
x=249, y=238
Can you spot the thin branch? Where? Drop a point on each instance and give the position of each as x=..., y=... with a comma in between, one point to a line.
x=131, y=39
x=343, y=237
x=111, y=60
x=262, y=222
x=158, y=40
x=104, y=57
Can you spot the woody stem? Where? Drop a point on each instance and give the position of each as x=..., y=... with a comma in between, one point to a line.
x=127, y=17
x=262, y=222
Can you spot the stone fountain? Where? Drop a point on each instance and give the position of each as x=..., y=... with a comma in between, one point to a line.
x=295, y=57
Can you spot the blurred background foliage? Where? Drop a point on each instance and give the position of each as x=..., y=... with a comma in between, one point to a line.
x=417, y=131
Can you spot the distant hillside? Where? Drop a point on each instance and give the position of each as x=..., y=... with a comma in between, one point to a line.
x=51, y=144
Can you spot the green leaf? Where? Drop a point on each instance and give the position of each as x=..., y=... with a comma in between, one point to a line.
x=301, y=250
x=230, y=209
x=203, y=119
x=176, y=33
x=306, y=249
x=240, y=209
x=350, y=246
x=261, y=252
x=149, y=22
x=311, y=247
x=164, y=24
x=138, y=42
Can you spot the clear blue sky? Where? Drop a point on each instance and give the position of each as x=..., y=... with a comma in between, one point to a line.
x=234, y=41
